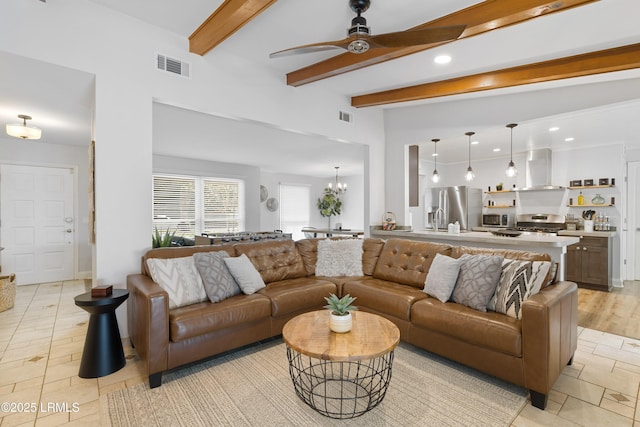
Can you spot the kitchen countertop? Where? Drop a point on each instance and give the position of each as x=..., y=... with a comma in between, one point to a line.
x=582, y=233
x=544, y=240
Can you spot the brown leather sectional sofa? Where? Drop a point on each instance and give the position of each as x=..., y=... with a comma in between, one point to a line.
x=530, y=352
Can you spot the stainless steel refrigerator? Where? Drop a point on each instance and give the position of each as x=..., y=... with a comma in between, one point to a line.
x=450, y=204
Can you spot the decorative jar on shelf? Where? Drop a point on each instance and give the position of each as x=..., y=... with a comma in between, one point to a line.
x=598, y=200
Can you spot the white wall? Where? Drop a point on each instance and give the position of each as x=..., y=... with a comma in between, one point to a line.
x=119, y=51
x=353, y=212
x=34, y=153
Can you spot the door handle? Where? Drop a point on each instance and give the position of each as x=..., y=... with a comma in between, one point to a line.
x=68, y=230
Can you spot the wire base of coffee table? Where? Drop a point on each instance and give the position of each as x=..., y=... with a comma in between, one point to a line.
x=340, y=389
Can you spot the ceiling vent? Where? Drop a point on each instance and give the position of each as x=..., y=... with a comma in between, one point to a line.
x=345, y=117
x=171, y=65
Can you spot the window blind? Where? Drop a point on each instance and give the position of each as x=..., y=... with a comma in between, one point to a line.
x=295, y=213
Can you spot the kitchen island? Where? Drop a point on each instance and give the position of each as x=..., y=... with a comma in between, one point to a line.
x=555, y=246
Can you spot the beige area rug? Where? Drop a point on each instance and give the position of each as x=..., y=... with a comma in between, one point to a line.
x=252, y=387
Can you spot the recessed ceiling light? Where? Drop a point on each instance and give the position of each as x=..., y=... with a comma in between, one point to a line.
x=442, y=59
x=434, y=155
x=569, y=139
x=475, y=142
x=553, y=129
x=496, y=150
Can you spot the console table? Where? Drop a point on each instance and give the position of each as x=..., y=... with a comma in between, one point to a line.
x=102, y=354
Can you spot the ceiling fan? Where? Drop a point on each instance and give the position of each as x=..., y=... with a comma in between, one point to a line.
x=359, y=39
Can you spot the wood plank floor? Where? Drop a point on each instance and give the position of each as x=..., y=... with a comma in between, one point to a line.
x=616, y=312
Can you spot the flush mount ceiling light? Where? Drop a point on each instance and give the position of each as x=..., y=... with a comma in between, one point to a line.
x=22, y=130
x=511, y=168
x=554, y=128
x=569, y=139
x=469, y=176
x=435, y=177
x=442, y=59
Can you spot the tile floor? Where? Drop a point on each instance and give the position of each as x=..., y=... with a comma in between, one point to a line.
x=42, y=337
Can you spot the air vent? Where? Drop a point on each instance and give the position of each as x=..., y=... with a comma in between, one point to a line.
x=345, y=117
x=171, y=65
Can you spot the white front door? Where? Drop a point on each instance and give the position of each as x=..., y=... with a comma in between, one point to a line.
x=37, y=229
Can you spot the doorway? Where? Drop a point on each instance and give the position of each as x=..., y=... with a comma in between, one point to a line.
x=633, y=219
x=37, y=228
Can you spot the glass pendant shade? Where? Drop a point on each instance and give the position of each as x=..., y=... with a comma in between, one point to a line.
x=469, y=176
x=511, y=168
x=21, y=130
x=435, y=177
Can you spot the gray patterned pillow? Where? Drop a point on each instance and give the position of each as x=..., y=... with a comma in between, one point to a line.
x=218, y=282
x=519, y=281
x=477, y=281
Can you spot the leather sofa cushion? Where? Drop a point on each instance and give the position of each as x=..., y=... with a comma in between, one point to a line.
x=371, y=248
x=491, y=330
x=199, y=319
x=407, y=261
x=293, y=295
x=386, y=297
x=182, y=251
x=275, y=261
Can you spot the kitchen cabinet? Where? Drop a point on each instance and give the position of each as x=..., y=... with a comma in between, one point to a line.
x=589, y=263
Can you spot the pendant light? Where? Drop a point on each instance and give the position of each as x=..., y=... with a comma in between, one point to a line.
x=21, y=130
x=511, y=168
x=469, y=176
x=339, y=187
x=435, y=178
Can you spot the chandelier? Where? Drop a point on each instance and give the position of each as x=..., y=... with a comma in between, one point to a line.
x=339, y=187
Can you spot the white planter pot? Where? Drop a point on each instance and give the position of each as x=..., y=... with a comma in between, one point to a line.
x=340, y=324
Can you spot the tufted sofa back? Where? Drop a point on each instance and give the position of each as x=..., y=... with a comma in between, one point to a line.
x=371, y=248
x=408, y=262
x=277, y=260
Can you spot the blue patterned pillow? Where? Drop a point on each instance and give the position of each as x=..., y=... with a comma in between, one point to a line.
x=477, y=281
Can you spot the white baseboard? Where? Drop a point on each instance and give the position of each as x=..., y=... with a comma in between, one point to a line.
x=84, y=275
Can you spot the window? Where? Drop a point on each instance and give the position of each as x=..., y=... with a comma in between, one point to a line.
x=195, y=205
x=295, y=203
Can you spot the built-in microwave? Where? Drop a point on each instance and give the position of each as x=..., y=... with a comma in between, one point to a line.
x=495, y=220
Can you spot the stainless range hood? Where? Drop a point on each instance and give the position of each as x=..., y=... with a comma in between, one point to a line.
x=538, y=171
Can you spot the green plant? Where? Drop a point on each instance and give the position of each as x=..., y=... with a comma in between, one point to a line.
x=329, y=205
x=340, y=306
x=162, y=240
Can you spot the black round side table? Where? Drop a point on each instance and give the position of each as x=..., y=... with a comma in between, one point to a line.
x=102, y=354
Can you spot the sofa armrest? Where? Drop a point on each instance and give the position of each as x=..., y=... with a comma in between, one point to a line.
x=549, y=334
x=148, y=320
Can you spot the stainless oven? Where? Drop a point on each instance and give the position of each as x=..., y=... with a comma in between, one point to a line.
x=495, y=220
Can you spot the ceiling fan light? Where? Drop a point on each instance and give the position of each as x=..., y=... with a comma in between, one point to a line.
x=21, y=130
x=358, y=46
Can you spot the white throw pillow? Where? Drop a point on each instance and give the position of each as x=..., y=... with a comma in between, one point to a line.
x=442, y=277
x=246, y=275
x=180, y=278
x=339, y=258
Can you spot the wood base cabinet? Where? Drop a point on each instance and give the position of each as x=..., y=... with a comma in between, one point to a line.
x=589, y=263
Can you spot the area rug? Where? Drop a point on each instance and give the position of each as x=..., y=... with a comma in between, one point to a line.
x=252, y=387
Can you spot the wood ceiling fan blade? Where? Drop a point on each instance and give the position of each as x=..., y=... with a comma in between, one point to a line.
x=315, y=47
x=418, y=37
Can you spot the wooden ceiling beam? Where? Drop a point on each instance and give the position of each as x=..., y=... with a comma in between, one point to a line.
x=479, y=18
x=228, y=18
x=603, y=61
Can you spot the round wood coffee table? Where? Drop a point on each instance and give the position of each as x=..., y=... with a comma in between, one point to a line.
x=340, y=375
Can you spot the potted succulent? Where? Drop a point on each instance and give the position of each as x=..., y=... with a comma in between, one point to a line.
x=499, y=186
x=340, y=320
x=162, y=240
